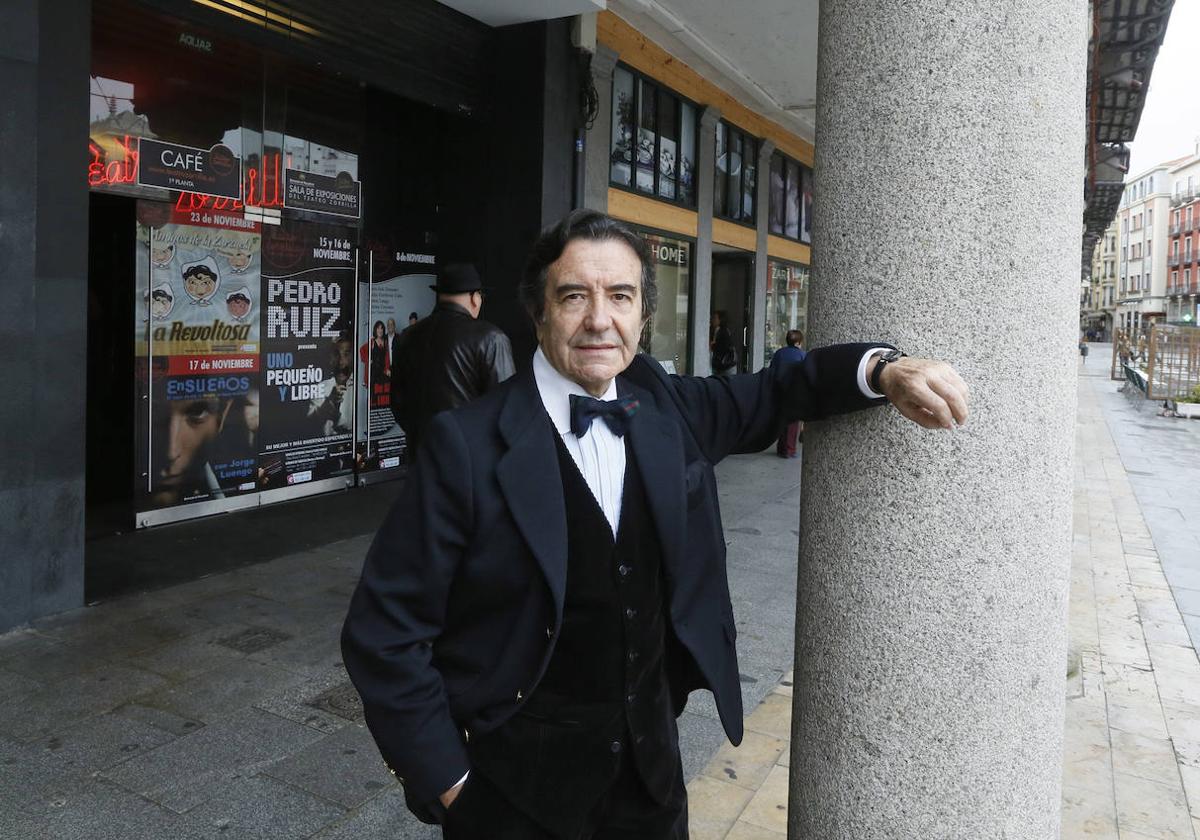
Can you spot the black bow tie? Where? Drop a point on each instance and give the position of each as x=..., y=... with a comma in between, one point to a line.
x=616, y=413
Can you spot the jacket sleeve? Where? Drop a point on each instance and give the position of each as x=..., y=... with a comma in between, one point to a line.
x=745, y=412
x=498, y=360
x=398, y=610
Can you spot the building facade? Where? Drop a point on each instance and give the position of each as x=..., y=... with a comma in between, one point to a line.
x=1098, y=292
x=1183, y=256
x=265, y=198
x=1142, y=263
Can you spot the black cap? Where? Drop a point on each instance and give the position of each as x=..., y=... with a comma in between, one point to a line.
x=456, y=278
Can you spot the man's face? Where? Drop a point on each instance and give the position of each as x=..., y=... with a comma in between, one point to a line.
x=391, y=326
x=191, y=426
x=200, y=285
x=343, y=362
x=593, y=312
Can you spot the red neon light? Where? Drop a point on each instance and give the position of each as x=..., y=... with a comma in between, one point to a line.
x=102, y=172
x=261, y=185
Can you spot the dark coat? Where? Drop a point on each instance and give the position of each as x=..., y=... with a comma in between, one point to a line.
x=461, y=597
x=444, y=361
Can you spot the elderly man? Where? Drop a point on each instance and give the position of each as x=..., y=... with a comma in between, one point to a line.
x=551, y=584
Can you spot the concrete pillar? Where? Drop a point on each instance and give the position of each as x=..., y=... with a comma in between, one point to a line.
x=932, y=600
x=45, y=52
x=762, y=215
x=599, y=136
x=701, y=300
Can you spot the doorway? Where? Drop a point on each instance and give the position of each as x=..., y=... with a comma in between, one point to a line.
x=110, y=409
x=732, y=284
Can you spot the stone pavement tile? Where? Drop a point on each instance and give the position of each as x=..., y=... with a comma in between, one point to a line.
x=749, y=831
x=1177, y=686
x=1166, y=632
x=1145, y=719
x=1129, y=681
x=1179, y=658
x=187, y=657
x=114, y=640
x=1087, y=816
x=72, y=699
x=714, y=806
x=1087, y=766
x=262, y=808
x=1188, y=600
x=93, y=810
x=1151, y=578
x=1191, y=787
x=101, y=742
x=43, y=659
x=1186, y=576
x=1147, y=758
x=296, y=703
x=1152, y=808
x=158, y=718
x=773, y=717
x=1193, y=626
x=26, y=773
x=189, y=771
x=385, y=816
x=13, y=685
x=699, y=738
x=749, y=763
x=310, y=653
x=344, y=768
x=213, y=695
x=768, y=808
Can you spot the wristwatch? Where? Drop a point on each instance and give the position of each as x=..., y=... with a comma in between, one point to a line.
x=884, y=360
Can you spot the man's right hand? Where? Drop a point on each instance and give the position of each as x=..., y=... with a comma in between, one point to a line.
x=449, y=796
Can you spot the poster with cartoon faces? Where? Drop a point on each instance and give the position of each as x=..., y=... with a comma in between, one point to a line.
x=201, y=281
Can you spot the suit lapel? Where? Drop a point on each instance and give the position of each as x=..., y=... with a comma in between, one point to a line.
x=658, y=448
x=530, y=481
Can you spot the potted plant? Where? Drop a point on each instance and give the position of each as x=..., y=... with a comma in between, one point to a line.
x=1189, y=404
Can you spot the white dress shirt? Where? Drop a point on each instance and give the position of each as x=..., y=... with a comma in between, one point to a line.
x=599, y=454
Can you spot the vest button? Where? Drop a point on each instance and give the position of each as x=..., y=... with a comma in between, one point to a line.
x=633, y=655
x=629, y=698
x=615, y=746
x=630, y=612
x=518, y=696
x=549, y=632
x=623, y=570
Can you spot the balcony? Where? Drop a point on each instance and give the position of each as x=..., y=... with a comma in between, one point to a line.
x=1173, y=261
x=1183, y=197
x=1174, y=230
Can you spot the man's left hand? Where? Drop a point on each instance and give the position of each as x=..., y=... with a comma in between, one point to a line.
x=926, y=391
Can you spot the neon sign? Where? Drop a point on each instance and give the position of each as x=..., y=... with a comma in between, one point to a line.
x=114, y=161
x=105, y=172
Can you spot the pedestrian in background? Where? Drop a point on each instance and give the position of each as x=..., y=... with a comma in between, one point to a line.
x=449, y=358
x=1083, y=350
x=720, y=343
x=789, y=354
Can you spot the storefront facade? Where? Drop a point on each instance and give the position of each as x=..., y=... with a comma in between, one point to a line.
x=673, y=154
x=267, y=193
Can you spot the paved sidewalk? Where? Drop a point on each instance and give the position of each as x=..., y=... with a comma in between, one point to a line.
x=1132, y=764
x=219, y=708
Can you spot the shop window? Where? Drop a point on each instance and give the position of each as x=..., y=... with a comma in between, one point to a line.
x=736, y=171
x=787, y=303
x=665, y=336
x=791, y=199
x=653, y=143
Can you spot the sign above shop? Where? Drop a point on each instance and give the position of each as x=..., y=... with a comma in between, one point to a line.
x=216, y=172
x=338, y=196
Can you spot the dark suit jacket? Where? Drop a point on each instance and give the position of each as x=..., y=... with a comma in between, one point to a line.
x=461, y=596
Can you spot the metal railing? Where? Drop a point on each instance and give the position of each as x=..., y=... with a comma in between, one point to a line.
x=1173, y=362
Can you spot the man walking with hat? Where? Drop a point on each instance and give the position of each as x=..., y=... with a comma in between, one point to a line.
x=449, y=358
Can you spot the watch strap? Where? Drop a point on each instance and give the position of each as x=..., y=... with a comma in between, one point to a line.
x=884, y=360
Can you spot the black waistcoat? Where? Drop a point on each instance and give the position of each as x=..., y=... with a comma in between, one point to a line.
x=604, y=692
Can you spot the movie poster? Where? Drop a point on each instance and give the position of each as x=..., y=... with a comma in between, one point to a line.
x=197, y=336
x=393, y=295
x=309, y=371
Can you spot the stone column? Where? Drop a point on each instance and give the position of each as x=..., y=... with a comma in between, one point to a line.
x=933, y=578
x=762, y=215
x=701, y=300
x=599, y=136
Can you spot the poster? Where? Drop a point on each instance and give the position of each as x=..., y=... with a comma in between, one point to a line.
x=197, y=349
x=308, y=372
x=393, y=294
